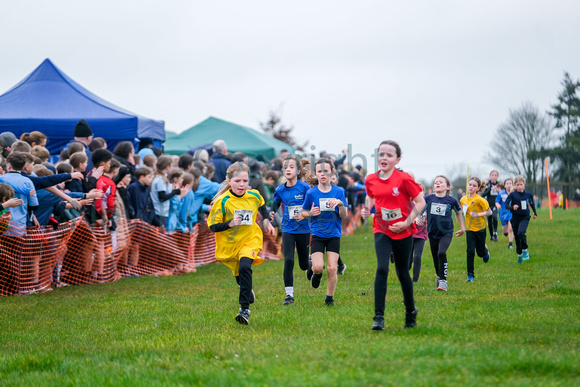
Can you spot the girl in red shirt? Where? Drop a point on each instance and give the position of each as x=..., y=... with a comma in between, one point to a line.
x=391, y=192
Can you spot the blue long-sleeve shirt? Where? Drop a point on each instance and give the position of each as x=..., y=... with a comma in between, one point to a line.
x=206, y=189
x=186, y=218
x=49, y=203
x=42, y=182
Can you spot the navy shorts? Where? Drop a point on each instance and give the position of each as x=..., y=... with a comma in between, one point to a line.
x=318, y=245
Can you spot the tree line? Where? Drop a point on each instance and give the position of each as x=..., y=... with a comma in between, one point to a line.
x=529, y=136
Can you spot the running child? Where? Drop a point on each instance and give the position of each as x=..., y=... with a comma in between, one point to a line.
x=391, y=191
x=475, y=209
x=238, y=237
x=519, y=203
x=490, y=193
x=295, y=231
x=326, y=205
x=419, y=239
x=439, y=207
x=504, y=214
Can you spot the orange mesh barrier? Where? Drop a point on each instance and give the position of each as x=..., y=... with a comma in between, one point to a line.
x=37, y=259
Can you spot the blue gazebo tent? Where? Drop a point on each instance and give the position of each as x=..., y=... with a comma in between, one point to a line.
x=49, y=101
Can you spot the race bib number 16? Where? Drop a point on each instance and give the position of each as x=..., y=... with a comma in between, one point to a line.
x=391, y=214
x=246, y=215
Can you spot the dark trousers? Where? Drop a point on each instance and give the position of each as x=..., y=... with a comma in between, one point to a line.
x=475, y=243
x=439, y=252
x=245, y=281
x=492, y=221
x=291, y=242
x=417, y=255
x=402, y=251
x=520, y=226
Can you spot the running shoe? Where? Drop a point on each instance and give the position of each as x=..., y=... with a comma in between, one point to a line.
x=340, y=269
x=243, y=317
x=411, y=319
x=289, y=300
x=486, y=256
x=379, y=323
x=470, y=278
x=442, y=285
x=329, y=303
x=316, y=280
x=526, y=255
x=511, y=245
x=520, y=258
x=309, y=271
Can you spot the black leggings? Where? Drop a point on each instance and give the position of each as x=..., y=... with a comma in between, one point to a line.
x=439, y=252
x=417, y=256
x=520, y=226
x=245, y=281
x=475, y=243
x=290, y=242
x=402, y=251
x=492, y=221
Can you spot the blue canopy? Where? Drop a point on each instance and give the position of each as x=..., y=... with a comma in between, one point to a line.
x=50, y=102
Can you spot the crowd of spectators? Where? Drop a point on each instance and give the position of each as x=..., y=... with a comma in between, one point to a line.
x=171, y=192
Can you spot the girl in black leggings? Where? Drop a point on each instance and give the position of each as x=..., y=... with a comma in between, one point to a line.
x=389, y=190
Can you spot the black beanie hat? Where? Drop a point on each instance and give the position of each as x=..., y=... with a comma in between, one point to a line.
x=82, y=129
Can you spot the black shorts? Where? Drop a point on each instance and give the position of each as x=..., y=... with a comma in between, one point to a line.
x=318, y=245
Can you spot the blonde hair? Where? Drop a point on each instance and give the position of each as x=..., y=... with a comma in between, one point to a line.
x=233, y=170
x=519, y=178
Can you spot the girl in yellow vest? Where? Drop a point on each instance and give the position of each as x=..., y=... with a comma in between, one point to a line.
x=238, y=237
x=475, y=210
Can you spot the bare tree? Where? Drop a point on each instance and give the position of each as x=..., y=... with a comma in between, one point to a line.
x=274, y=127
x=524, y=134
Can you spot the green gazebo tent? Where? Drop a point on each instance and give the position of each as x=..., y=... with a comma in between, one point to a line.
x=238, y=139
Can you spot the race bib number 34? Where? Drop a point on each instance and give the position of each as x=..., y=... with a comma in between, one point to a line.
x=246, y=215
x=391, y=214
x=294, y=211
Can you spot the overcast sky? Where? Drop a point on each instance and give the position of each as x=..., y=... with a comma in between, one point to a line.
x=436, y=76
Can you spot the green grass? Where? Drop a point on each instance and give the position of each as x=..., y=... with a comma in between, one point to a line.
x=518, y=324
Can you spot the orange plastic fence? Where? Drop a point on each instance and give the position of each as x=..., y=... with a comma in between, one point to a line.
x=37, y=259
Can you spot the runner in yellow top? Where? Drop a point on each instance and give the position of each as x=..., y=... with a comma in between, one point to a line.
x=238, y=237
x=475, y=210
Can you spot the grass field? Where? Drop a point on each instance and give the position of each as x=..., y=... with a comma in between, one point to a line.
x=517, y=324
